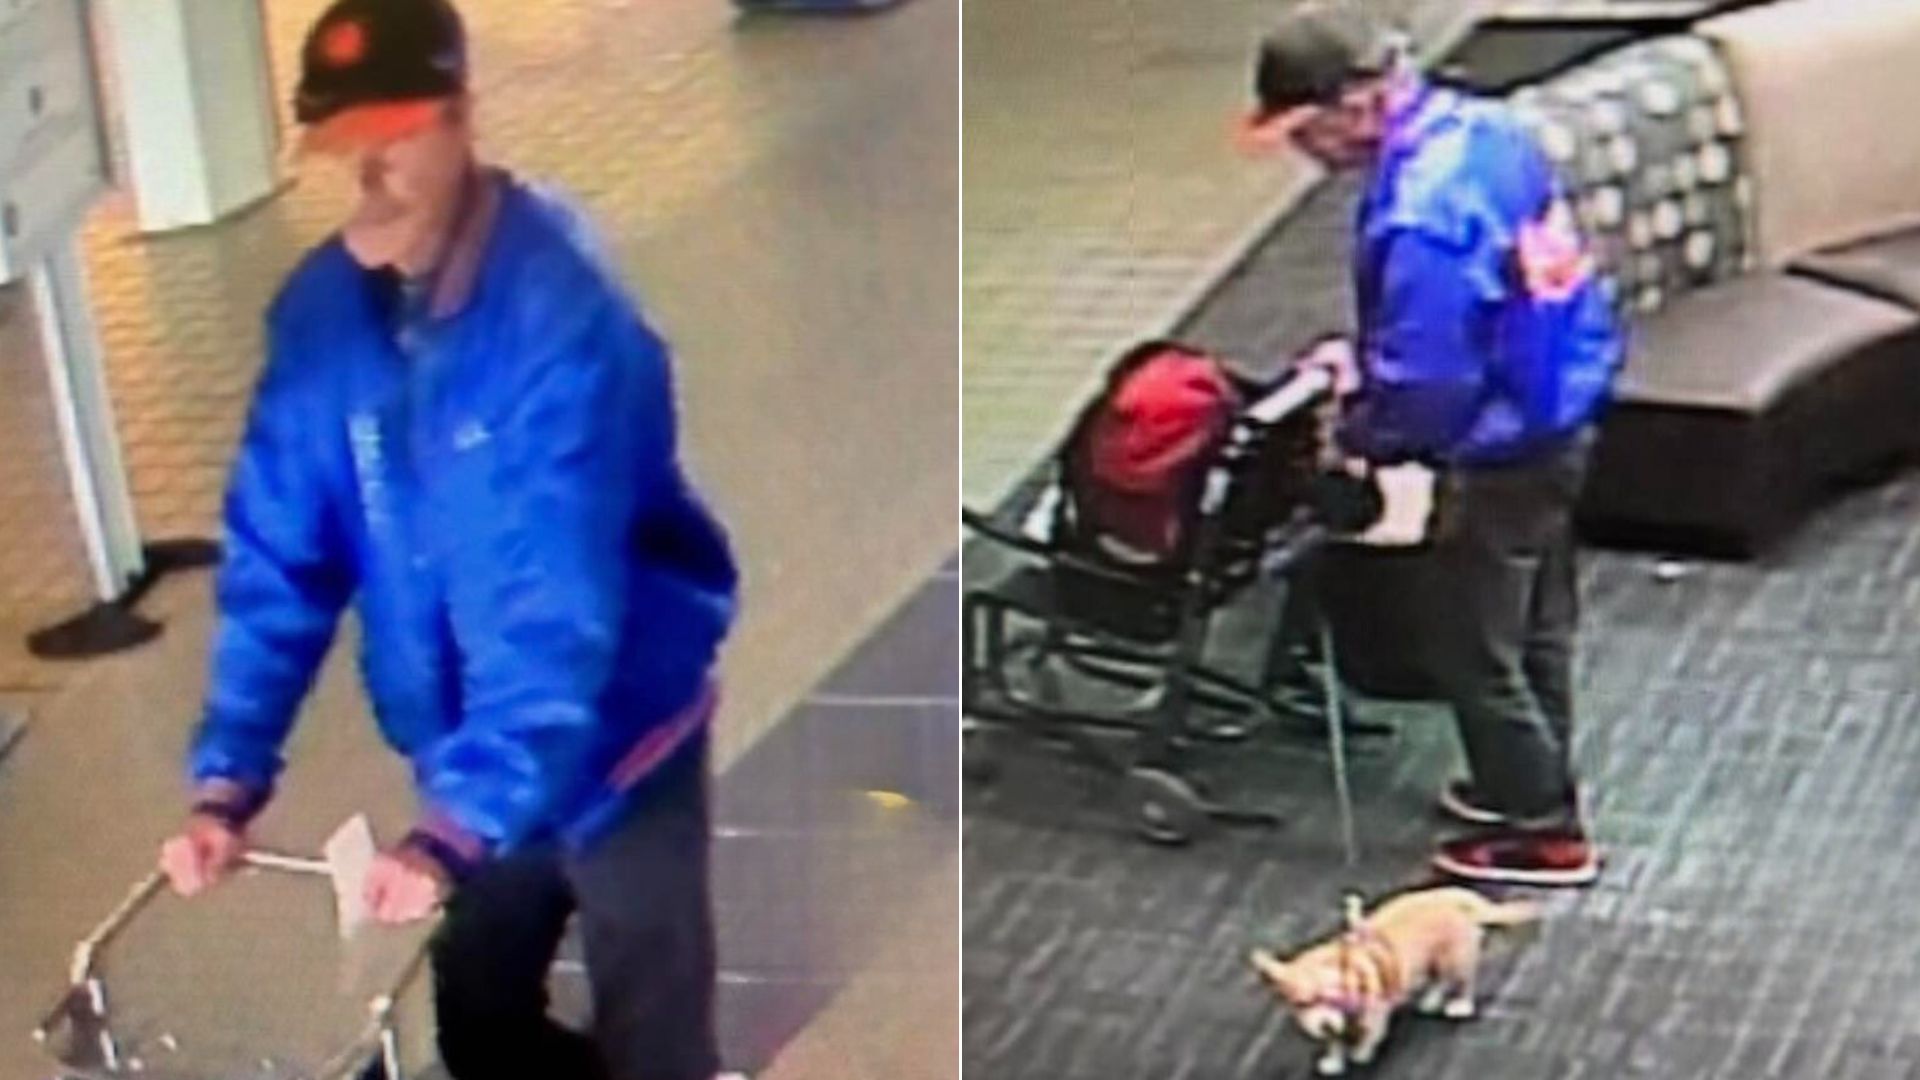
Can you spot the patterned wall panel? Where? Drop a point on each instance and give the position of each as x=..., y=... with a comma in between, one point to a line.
x=1651, y=141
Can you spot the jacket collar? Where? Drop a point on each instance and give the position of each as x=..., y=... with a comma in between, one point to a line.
x=1411, y=119
x=453, y=283
x=1423, y=109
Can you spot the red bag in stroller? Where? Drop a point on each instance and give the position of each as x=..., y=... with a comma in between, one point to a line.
x=1134, y=463
x=1131, y=470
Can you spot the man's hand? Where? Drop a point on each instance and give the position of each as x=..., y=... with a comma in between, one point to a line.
x=1335, y=356
x=202, y=855
x=405, y=885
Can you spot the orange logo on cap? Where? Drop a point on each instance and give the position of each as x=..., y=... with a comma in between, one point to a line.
x=344, y=44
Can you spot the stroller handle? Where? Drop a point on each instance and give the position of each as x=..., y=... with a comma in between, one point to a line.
x=1302, y=389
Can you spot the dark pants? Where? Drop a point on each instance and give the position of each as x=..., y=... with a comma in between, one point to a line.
x=641, y=894
x=1505, y=597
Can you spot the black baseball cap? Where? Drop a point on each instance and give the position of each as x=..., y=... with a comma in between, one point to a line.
x=374, y=70
x=1315, y=52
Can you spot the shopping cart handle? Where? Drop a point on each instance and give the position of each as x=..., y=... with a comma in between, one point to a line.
x=60, y=1011
x=82, y=1007
x=81, y=969
x=293, y=864
x=140, y=896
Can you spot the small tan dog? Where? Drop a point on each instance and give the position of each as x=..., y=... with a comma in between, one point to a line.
x=1427, y=942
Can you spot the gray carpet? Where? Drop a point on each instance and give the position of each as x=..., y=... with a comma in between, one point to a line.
x=1751, y=735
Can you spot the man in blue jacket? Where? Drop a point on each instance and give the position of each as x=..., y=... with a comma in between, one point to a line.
x=1487, y=349
x=466, y=428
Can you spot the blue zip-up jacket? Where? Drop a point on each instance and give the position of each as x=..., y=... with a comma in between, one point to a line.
x=498, y=490
x=1486, y=337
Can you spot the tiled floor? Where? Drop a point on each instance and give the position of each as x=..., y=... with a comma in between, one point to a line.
x=14, y=720
x=1749, y=732
x=835, y=865
x=783, y=191
x=837, y=831
x=1103, y=196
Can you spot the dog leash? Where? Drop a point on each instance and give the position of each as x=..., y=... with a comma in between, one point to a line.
x=1337, y=744
x=1353, y=907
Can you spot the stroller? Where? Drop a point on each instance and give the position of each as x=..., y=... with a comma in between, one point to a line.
x=84, y=1033
x=1123, y=571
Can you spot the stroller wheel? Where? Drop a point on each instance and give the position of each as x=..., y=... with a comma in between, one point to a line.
x=1166, y=809
x=979, y=758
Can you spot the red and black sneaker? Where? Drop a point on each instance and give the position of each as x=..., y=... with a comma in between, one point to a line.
x=1462, y=801
x=1557, y=859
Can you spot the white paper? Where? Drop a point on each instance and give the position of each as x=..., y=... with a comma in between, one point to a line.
x=1408, y=494
x=350, y=852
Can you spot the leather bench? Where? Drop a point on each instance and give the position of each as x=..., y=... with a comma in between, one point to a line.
x=1775, y=339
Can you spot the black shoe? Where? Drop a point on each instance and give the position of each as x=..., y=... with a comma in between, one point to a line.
x=1460, y=801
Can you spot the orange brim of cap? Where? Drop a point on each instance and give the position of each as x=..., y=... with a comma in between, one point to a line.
x=368, y=127
x=1257, y=133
